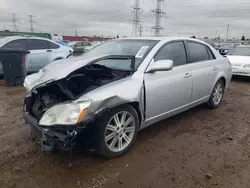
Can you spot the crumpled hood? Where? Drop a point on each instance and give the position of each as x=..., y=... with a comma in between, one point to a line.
x=56, y=71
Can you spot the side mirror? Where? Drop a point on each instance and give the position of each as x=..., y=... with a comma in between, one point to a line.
x=161, y=65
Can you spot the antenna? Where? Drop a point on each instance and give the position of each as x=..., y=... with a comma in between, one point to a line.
x=158, y=13
x=137, y=11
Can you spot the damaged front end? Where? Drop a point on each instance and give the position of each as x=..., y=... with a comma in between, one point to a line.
x=54, y=110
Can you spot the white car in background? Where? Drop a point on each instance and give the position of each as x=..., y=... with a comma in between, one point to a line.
x=42, y=51
x=240, y=60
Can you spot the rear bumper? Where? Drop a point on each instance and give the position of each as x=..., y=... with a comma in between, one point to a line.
x=241, y=71
x=52, y=139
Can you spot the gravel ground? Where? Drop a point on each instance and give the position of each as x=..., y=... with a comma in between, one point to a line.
x=198, y=148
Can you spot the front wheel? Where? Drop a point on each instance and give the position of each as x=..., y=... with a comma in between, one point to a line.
x=118, y=130
x=217, y=94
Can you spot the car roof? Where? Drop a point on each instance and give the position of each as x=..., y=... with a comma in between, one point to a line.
x=9, y=38
x=5, y=40
x=164, y=39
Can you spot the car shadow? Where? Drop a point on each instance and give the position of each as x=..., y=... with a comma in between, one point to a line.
x=172, y=126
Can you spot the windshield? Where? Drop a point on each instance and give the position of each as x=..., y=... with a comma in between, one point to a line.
x=71, y=44
x=137, y=48
x=243, y=51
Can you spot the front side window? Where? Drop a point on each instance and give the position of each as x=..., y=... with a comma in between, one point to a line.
x=197, y=52
x=79, y=44
x=37, y=44
x=174, y=51
x=20, y=44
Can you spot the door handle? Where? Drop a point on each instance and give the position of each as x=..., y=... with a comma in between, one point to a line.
x=49, y=51
x=187, y=75
x=215, y=68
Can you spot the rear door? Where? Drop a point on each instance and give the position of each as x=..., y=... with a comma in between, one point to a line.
x=56, y=52
x=204, y=70
x=39, y=53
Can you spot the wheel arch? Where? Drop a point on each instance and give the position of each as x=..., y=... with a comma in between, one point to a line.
x=134, y=105
x=222, y=76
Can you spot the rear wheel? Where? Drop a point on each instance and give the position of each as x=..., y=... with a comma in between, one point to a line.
x=118, y=130
x=217, y=94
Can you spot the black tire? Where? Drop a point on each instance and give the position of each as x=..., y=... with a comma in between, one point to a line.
x=102, y=122
x=211, y=103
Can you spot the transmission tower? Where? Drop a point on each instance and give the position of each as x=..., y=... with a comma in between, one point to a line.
x=137, y=11
x=31, y=23
x=158, y=13
x=14, y=21
x=76, y=33
x=140, y=30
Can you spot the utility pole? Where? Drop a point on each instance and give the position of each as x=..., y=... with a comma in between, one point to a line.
x=76, y=34
x=31, y=23
x=158, y=13
x=228, y=25
x=140, y=30
x=14, y=21
x=137, y=11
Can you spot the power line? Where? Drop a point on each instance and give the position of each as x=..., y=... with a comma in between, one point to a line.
x=158, y=13
x=137, y=11
x=31, y=21
x=14, y=21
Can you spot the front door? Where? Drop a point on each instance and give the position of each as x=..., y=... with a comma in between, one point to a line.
x=39, y=54
x=168, y=91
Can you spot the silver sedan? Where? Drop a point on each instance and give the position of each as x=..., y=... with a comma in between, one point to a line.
x=121, y=87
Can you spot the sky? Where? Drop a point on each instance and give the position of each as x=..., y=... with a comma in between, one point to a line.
x=112, y=17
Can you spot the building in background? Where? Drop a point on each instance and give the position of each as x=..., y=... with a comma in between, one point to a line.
x=13, y=33
x=83, y=38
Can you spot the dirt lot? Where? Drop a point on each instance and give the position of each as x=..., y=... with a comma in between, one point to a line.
x=199, y=148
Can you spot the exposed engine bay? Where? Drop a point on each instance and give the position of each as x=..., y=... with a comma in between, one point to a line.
x=73, y=86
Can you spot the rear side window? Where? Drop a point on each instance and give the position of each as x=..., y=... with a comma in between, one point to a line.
x=53, y=45
x=174, y=51
x=37, y=44
x=210, y=54
x=85, y=44
x=20, y=44
x=197, y=52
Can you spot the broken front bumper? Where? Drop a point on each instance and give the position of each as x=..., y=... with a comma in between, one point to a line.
x=51, y=138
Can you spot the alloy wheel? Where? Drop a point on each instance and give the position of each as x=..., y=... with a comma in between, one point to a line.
x=218, y=93
x=120, y=131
